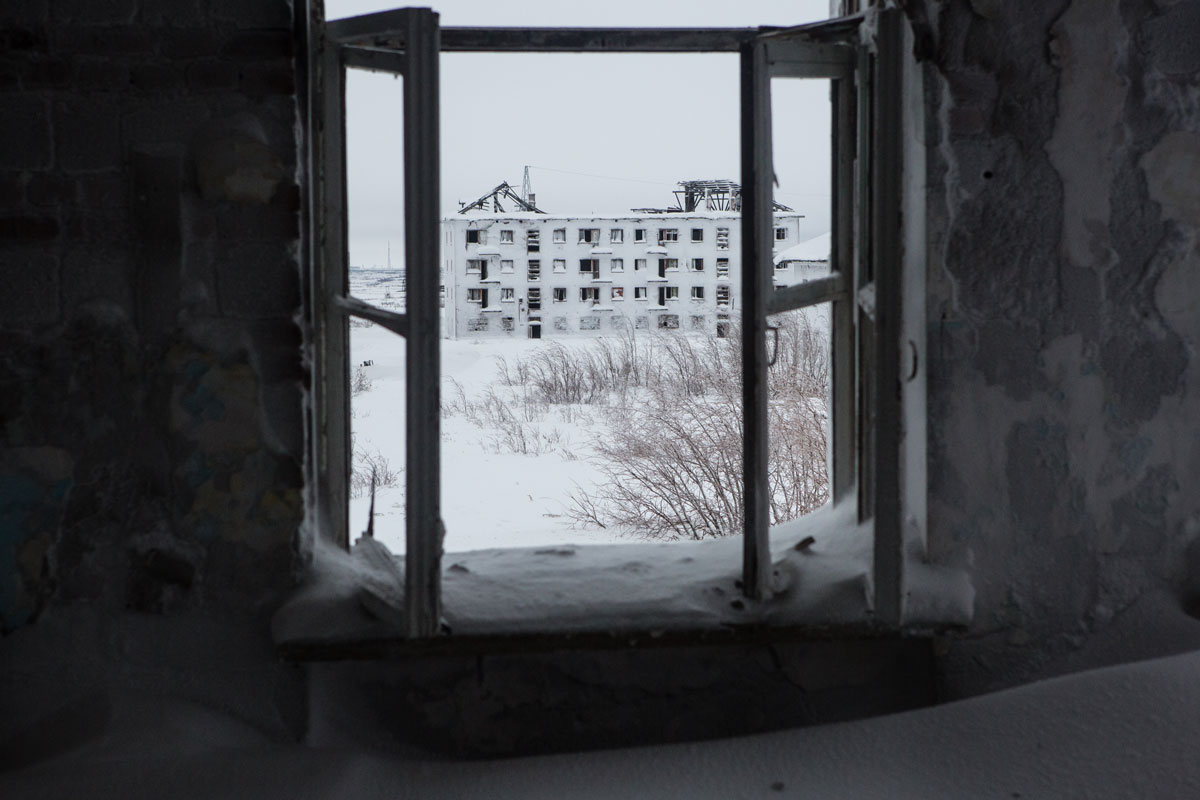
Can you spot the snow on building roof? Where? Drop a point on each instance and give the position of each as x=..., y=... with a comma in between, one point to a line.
x=814, y=249
x=592, y=215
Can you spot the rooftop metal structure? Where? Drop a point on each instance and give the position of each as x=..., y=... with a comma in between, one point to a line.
x=717, y=194
x=503, y=191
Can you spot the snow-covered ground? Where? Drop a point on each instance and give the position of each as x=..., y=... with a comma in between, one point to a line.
x=504, y=483
x=1125, y=731
x=490, y=497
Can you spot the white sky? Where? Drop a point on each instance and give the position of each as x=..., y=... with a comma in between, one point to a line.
x=602, y=132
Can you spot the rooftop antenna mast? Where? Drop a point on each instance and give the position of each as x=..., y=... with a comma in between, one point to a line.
x=527, y=188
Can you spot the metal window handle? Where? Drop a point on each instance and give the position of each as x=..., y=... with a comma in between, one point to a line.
x=774, y=329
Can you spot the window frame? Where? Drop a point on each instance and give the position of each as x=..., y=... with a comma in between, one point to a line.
x=864, y=285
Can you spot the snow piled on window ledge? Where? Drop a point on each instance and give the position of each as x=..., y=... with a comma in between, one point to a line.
x=635, y=588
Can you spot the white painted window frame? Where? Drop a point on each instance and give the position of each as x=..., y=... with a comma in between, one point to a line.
x=864, y=59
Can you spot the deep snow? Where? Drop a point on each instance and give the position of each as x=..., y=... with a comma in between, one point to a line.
x=1127, y=731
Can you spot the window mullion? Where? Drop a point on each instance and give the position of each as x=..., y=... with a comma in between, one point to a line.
x=887, y=153
x=757, y=224
x=331, y=378
x=424, y=534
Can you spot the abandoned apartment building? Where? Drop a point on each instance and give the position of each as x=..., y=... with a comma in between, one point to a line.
x=185, y=614
x=532, y=274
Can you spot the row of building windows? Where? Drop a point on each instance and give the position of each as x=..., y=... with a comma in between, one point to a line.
x=591, y=266
x=615, y=236
x=593, y=323
x=592, y=294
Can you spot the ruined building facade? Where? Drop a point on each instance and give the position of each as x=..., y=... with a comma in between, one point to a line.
x=534, y=275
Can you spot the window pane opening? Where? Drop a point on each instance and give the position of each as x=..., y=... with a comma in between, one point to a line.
x=378, y=277
x=799, y=340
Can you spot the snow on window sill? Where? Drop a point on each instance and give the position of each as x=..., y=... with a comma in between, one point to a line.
x=673, y=586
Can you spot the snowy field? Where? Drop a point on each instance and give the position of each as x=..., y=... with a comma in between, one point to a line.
x=490, y=497
x=1127, y=729
x=513, y=464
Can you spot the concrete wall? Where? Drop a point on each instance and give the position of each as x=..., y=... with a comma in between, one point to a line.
x=150, y=374
x=1063, y=315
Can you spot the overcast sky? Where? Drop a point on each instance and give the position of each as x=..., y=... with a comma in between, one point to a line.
x=602, y=133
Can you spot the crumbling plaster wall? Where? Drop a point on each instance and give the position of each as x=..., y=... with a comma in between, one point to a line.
x=151, y=431
x=1064, y=315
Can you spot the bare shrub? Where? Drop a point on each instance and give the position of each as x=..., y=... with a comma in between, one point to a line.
x=454, y=399
x=360, y=382
x=366, y=463
x=672, y=458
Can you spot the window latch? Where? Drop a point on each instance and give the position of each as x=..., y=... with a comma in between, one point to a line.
x=774, y=329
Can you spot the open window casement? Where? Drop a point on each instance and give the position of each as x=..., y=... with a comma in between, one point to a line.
x=861, y=57
x=863, y=287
